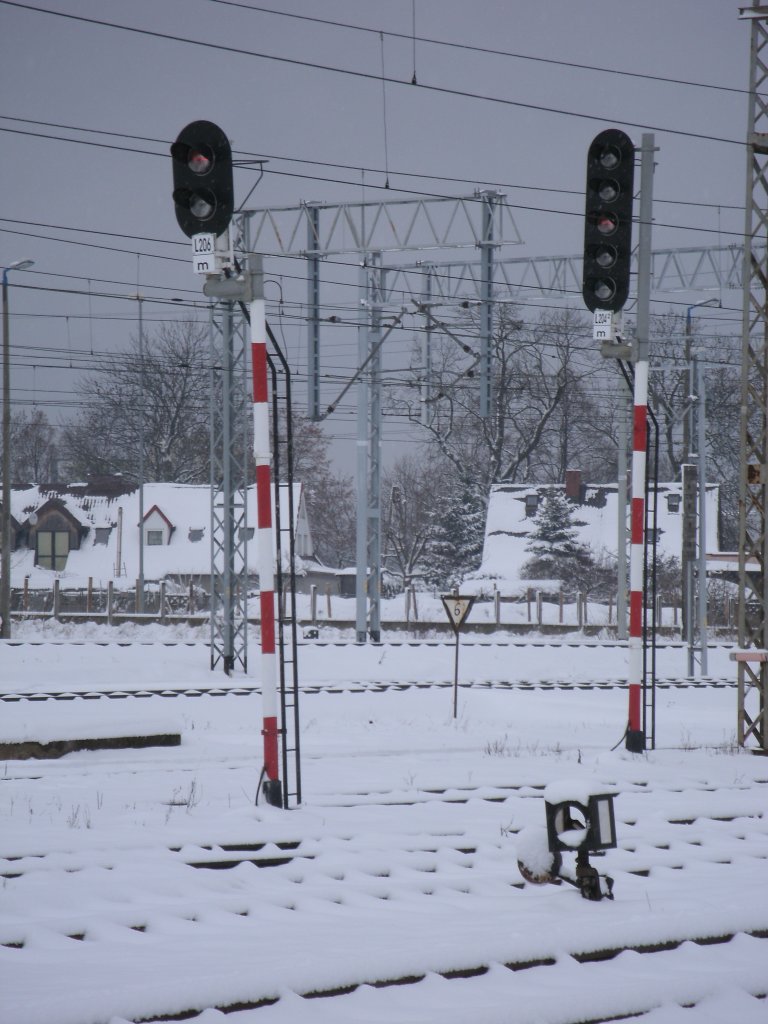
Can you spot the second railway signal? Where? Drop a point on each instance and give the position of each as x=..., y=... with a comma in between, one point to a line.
x=608, y=220
x=203, y=189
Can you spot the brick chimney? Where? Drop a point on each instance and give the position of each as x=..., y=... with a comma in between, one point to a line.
x=573, y=484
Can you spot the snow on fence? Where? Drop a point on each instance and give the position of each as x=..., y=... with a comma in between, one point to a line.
x=162, y=601
x=165, y=601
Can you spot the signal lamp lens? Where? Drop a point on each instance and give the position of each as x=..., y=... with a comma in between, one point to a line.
x=608, y=190
x=202, y=205
x=605, y=256
x=609, y=157
x=604, y=289
x=200, y=160
x=606, y=223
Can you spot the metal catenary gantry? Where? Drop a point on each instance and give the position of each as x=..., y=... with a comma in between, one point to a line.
x=372, y=231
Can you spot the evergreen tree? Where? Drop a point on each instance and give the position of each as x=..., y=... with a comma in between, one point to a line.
x=557, y=552
x=457, y=545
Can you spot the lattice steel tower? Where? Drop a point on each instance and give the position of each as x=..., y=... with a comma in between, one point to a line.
x=230, y=404
x=753, y=489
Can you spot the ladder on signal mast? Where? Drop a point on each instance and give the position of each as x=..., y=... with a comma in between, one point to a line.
x=650, y=622
x=285, y=575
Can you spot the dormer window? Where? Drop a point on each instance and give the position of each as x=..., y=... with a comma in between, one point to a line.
x=52, y=549
x=157, y=528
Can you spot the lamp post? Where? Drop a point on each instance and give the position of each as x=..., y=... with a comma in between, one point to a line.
x=696, y=416
x=5, y=567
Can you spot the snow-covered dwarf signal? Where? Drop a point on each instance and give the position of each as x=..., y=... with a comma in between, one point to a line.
x=579, y=820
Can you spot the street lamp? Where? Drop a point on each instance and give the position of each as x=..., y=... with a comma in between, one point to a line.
x=5, y=567
x=696, y=391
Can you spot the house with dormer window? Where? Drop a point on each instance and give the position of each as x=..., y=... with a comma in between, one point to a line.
x=95, y=531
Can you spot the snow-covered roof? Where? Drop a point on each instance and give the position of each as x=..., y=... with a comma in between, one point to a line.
x=114, y=555
x=508, y=526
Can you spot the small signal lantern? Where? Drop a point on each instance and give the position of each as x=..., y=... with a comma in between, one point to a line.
x=203, y=187
x=608, y=221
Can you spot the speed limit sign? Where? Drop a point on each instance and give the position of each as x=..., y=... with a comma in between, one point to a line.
x=457, y=607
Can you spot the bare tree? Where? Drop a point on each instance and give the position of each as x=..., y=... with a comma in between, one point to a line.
x=669, y=391
x=413, y=490
x=542, y=416
x=34, y=453
x=582, y=430
x=160, y=398
x=671, y=398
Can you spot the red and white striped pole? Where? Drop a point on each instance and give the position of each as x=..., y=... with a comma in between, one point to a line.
x=264, y=540
x=635, y=739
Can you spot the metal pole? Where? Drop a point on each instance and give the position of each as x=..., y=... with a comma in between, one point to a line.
x=690, y=486
x=5, y=560
x=635, y=738
x=426, y=348
x=313, y=313
x=621, y=496
x=142, y=407
x=701, y=413
x=228, y=642
x=5, y=610
x=456, y=679
x=361, y=546
x=265, y=543
x=215, y=485
x=374, y=490
x=688, y=557
x=695, y=607
x=486, y=302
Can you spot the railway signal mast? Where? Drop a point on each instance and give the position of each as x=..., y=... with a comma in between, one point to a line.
x=605, y=288
x=203, y=196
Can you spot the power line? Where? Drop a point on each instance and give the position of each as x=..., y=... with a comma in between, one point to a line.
x=92, y=245
x=355, y=323
x=486, y=50
x=364, y=75
x=320, y=163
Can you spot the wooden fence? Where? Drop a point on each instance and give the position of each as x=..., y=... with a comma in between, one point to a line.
x=165, y=602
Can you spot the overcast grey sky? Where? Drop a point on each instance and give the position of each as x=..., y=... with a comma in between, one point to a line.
x=520, y=121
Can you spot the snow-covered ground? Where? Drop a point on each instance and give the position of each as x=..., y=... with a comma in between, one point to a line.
x=146, y=883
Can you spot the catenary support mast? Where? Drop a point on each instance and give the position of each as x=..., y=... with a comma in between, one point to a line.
x=752, y=727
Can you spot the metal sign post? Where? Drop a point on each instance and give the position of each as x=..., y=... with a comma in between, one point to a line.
x=457, y=608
